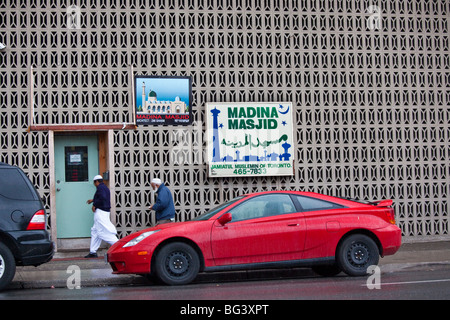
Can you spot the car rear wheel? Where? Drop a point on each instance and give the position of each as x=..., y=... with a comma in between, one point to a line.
x=7, y=266
x=177, y=263
x=356, y=253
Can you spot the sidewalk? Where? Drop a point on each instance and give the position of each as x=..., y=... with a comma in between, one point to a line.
x=96, y=272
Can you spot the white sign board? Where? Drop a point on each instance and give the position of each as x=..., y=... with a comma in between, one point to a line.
x=250, y=139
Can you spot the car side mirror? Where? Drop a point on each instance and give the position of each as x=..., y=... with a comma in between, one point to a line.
x=225, y=218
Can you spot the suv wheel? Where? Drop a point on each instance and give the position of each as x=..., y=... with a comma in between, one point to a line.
x=7, y=266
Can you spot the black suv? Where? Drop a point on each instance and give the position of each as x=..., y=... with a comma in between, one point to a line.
x=24, y=240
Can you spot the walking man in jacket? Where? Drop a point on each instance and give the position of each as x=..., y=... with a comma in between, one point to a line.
x=164, y=206
x=103, y=229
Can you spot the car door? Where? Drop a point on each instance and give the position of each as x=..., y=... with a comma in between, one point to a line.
x=265, y=228
x=76, y=163
x=323, y=221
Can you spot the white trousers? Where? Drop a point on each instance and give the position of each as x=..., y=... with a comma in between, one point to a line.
x=103, y=229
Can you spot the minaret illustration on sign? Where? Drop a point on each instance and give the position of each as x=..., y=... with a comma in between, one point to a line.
x=216, y=146
x=143, y=96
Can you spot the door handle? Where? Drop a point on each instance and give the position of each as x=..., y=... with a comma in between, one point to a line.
x=58, y=189
x=293, y=224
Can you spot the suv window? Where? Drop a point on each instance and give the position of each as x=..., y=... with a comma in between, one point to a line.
x=263, y=206
x=312, y=204
x=13, y=185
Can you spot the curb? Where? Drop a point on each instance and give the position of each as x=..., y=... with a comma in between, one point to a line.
x=103, y=277
x=101, y=281
x=414, y=266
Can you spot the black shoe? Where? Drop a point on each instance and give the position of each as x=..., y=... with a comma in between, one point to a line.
x=91, y=255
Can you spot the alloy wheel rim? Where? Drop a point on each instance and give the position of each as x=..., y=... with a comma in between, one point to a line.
x=2, y=266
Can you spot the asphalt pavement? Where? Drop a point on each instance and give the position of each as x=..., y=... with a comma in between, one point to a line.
x=65, y=268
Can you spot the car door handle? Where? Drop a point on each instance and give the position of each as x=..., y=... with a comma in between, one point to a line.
x=293, y=224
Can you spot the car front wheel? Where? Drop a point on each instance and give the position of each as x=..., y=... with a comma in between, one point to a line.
x=177, y=263
x=7, y=266
x=356, y=253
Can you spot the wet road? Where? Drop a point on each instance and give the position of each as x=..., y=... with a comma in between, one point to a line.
x=405, y=285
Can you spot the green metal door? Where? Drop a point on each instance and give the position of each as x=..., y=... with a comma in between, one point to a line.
x=76, y=164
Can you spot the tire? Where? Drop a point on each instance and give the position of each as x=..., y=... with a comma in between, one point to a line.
x=177, y=263
x=7, y=266
x=356, y=253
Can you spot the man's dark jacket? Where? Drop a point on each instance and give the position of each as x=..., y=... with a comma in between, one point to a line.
x=164, y=206
x=102, y=198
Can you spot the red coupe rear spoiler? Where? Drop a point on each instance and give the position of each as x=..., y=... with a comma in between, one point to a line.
x=379, y=203
x=383, y=203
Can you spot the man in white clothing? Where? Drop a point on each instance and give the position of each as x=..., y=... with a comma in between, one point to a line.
x=103, y=229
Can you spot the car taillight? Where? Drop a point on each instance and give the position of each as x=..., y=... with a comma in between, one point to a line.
x=38, y=221
x=390, y=215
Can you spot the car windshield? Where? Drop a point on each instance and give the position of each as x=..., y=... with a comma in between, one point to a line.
x=213, y=211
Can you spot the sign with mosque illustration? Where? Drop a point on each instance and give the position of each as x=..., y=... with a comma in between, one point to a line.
x=250, y=139
x=163, y=100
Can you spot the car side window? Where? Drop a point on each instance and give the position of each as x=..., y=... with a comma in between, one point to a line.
x=312, y=204
x=263, y=206
x=14, y=186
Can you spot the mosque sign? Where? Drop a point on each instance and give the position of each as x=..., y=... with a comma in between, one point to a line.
x=250, y=139
x=163, y=100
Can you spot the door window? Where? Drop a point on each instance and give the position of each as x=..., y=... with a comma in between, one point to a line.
x=263, y=206
x=76, y=160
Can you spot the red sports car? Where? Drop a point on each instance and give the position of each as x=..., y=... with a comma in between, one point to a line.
x=264, y=230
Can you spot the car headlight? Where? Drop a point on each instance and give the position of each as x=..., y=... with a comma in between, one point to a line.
x=141, y=237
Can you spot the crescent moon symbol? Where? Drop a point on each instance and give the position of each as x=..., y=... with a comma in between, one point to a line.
x=282, y=111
